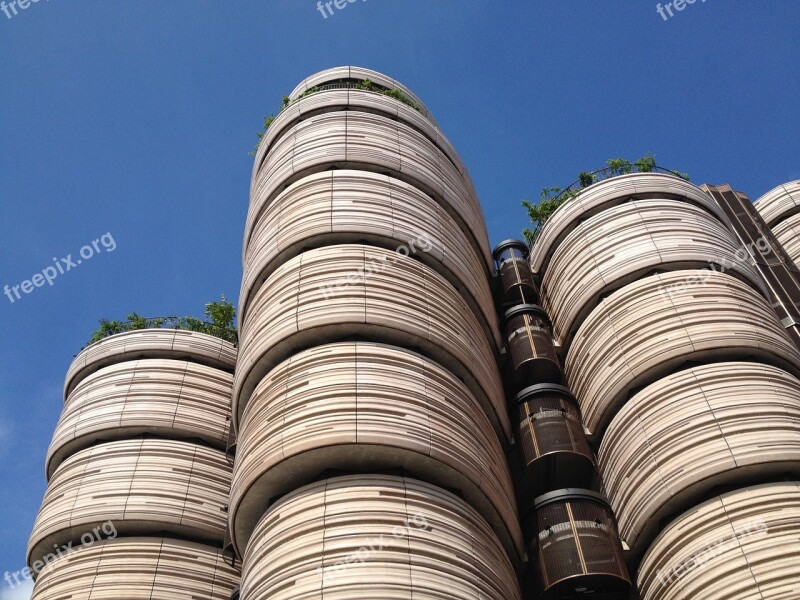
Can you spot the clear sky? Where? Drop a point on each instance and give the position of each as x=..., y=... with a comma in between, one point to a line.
x=135, y=119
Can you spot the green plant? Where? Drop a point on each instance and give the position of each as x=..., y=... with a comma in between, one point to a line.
x=219, y=322
x=553, y=197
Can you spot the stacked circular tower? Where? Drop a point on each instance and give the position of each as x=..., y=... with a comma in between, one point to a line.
x=368, y=406
x=687, y=383
x=138, y=476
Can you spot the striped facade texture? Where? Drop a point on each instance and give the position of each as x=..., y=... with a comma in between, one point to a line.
x=687, y=382
x=369, y=410
x=138, y=479
x=780, y=209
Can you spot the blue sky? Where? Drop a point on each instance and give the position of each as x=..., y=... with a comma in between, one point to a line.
x=136, y=119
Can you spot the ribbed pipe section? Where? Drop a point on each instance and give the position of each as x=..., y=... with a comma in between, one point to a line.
x=709, y=426
x=151, y=343
x=160, y=397
x=370, y=142
x=609, y=193
x=738, y=546
x=142, y=486
x=656, y=235
x=650, y=328
x=149, y=568
x=368, y=407
x=779, y=203
x=326, y=294
x=375, y=536
x=335, y=207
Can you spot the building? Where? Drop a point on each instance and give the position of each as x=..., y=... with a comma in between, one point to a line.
x=613, y=413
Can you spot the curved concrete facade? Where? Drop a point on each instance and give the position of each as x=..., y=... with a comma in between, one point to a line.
x=138, y=569
x=142, y=486
x=346, y=206
x=787, y=233
x=739, y=545
x=151, y=343
x=779, y=203
x=375, y=537
x=328, y=293
x=657, y=235
x=680, y=316
x=166, y=398
x=607, y=194
x=376, y=143
x=693, y=431
x=368, y=407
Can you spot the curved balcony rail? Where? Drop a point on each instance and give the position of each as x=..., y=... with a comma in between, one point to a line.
x=368, y=408
x=653, y=327
x=607, y=194
x=717, y=425
x=742, y=544
x=138, y=568
x=779, y=203
x=165, y=398
x=151, y=343
x=395, y=537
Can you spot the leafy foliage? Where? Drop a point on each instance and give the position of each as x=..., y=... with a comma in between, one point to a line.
x=553, y=197
x=219, y=322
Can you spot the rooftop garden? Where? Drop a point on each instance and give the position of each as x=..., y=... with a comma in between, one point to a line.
x=551, y=198
x=219, y=322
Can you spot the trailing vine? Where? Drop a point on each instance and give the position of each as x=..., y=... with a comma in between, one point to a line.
x=550, y=198
x=219, y=322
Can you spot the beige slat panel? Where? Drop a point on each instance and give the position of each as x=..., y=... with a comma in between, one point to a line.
x=138, y=569
x=779, y=203
x=368, y=407
x=692, y=431
x=151, y=343
x=611, y=192
x=350, y=206
x=142, y=486
x=375, y=143
x=649, y=328
x=354, y=100
x=391, y=298
x=166, y=398
x=743, y=545
x=353, y=72
x=628, y=241
x=788, y=234
x=374, y=537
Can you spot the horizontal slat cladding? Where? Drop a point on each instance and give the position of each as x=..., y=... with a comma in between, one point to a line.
x=368, y=407
x=375, y=143
x=166, y=398
x=325, y=294
x=339, y=206
x=779, y=203
x=649, y=328
x=141, y=486
x=375, y=537
x=151, y=343
x=606, y=194
x=354, y=72
x=694, y=430
x=138, y=569
x=739, y=546
x=788, y=234
x=627, y=241
x=354, y=100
